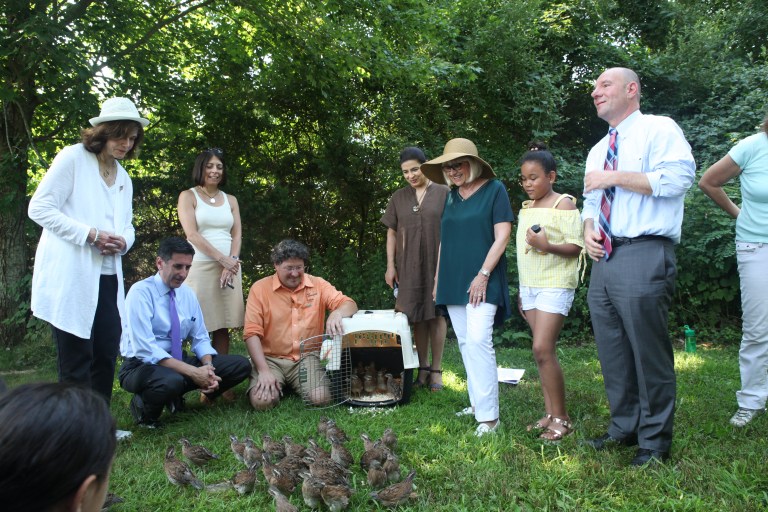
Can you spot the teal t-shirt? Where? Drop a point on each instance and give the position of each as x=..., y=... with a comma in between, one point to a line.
x=466, y=235
x=751, y=155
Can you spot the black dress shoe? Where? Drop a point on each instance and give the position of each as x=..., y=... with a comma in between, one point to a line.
x=608, y=441
x=137, y=411
x=645, y=456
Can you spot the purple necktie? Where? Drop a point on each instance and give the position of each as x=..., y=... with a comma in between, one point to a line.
x=175, y=326
x=604, y=222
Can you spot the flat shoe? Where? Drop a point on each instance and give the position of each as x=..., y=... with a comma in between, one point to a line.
x=557, y=429
x=433, y=386
x=467, y=411
x=538, y=425
x=483, y=429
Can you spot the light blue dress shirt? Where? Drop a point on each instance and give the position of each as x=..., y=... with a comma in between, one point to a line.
x=656, y=146
x=149, y=322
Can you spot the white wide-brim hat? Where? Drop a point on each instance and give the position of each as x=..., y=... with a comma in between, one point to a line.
x=118, y=109
x=454, y=149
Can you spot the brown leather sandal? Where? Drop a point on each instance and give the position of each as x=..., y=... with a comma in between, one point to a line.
x=557, y=429
x=540, y=425
x=435, y=387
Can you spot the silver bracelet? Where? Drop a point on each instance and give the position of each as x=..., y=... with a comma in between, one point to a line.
x=95, y=237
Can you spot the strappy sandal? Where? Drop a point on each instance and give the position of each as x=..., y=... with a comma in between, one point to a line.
x=435, y=387
x=554, y=434
x=540, y=425
x=418, y=383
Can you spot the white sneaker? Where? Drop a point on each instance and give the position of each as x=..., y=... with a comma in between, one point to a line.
x=467, y=411
x=744, y=416
x=483, y=429
x=121, y=435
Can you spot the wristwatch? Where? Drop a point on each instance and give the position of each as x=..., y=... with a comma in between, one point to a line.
x=485, y=272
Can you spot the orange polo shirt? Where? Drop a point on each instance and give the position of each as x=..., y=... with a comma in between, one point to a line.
x=283, y=318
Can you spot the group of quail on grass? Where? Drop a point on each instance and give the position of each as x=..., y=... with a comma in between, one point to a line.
x=322, y=475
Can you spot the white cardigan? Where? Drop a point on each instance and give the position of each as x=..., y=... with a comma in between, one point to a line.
x=67, y=204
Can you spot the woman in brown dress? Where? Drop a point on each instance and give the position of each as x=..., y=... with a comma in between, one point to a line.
x=413, y=237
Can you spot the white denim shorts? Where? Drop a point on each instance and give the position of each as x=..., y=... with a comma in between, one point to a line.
x=551, y=300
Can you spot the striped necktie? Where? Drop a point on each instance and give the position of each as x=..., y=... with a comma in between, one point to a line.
x=604, y=222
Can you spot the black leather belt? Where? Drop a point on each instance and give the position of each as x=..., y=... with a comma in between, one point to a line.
x=618, y=241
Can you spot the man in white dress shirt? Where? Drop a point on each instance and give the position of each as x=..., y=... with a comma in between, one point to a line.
x=633, y=277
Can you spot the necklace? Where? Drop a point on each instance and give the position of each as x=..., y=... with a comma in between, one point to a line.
x=211, y=198
x=106, y=170
x=419, y=200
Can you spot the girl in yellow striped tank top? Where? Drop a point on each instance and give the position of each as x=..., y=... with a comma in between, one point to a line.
x=549, y=242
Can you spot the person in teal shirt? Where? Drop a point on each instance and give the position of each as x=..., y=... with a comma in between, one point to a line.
x=472, y=268
x=749, y=160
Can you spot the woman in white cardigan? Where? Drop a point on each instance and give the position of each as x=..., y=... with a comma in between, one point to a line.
x=84, y=205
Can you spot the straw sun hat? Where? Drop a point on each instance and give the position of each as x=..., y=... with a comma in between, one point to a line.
x=455, y=149
x=118, y=109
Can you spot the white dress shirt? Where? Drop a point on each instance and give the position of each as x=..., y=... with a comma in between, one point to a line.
x=656, y=146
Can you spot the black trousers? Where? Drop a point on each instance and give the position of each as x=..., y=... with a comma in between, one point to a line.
x=91, y=362
x=158, y=386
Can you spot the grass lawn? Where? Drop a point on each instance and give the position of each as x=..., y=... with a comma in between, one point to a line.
x=714, y=467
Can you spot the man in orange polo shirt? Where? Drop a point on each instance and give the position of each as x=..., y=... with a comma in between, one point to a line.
x=282, y=310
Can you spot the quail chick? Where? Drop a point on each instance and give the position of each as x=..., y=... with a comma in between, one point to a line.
x=389, y=438
x=244, y=480
x=392, y=468
x=395, y=494
x=336, y=497
x=274, y=449
x=327, y=470
x=381, y=383
x=251, y=454
x=394, y=387
x=292, y=465
x=355, y=387
x=310, y=489
x=318, y=452
x=293, y=449
x=266, y=466
x=109, y=500
x=281, y=502
x=373, y=451
x=377, y=477
x=369, y=384
x=283, y=481
x=237, y=447
x=178, y=472
x=322, y=425
x=195, y=453
x=360, y=370
x=335, y=431
x=340, y=453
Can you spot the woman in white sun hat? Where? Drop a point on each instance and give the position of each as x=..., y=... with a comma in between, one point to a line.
x=472, y=268
x=83, y=204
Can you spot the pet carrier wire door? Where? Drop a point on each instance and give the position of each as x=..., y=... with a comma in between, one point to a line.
x=324, y=371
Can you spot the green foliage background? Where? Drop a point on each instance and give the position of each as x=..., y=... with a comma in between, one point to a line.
x=312, y=101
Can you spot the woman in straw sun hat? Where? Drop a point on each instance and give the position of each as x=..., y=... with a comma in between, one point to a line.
x=472, y=268
x=83, y=204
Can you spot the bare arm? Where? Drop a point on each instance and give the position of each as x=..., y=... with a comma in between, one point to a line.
x=632, y=181
x=540, y=241
x=391, y=274
x=501, y=233
x=715, y=177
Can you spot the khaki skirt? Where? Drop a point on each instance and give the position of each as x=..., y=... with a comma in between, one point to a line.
x=222, y=307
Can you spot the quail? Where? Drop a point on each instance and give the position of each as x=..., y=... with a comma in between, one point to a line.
x=283, y=481
x=389, y=438
x=369, y=384
x=237, y=447
x=327, y=470
x=322, y=425
x=109, y=500
x=195, y=453
x=178, y=472
x=310, y=489
x=395, y=494
x=281, y=502
x=318, y=452
x=392, y=468
x=336, y=497
x=381, y=383
x=373, y=451
x=360, y=369
x=340, y=453
x=244, y=480
x=266, y=466
x=335, y=431
x=355, y=387
x=292, y=465
x=274, y=449
x=292, y=448
x=377, y=477
x=394, y=387
x=251, y=454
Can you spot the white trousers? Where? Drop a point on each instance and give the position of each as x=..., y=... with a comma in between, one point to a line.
x=752, y=259
x=474, y=329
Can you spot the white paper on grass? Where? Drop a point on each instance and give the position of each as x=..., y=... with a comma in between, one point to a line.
x=510, y=375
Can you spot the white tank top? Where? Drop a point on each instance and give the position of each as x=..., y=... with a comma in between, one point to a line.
x=214, y=223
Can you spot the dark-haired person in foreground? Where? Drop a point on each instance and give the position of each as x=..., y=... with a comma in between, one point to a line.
x=634, y=190
x=283, y=310
x=57, y=443
x=163, y=312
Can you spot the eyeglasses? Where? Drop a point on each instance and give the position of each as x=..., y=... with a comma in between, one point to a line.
x=216, y=151
x=454, y=167
x=297, y=268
